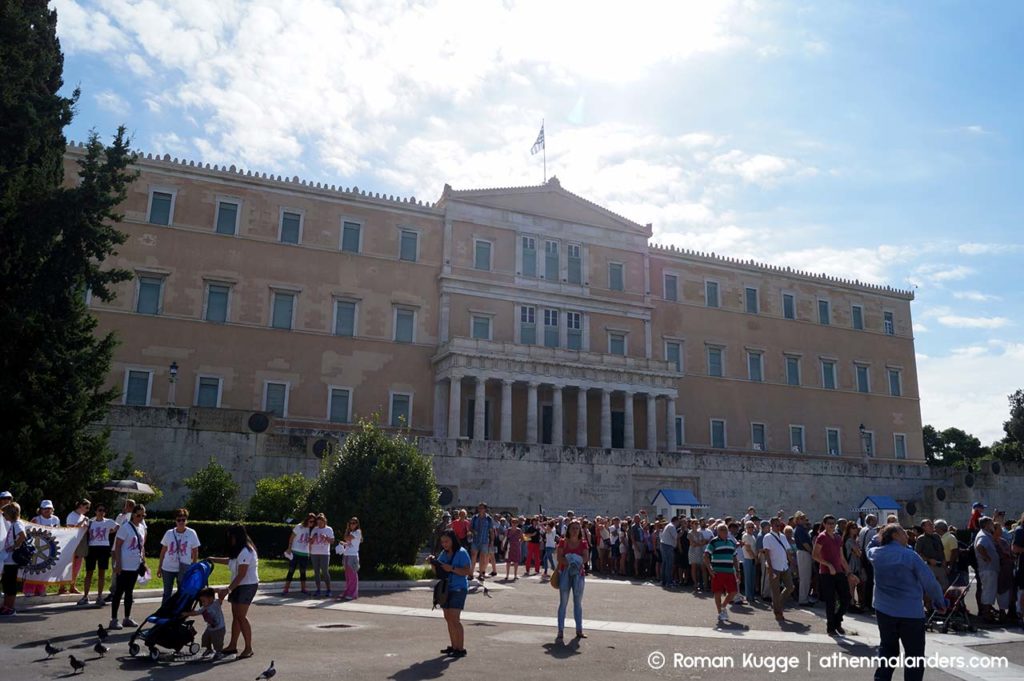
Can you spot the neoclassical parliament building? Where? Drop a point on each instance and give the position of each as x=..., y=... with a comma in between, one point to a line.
x=516, y=314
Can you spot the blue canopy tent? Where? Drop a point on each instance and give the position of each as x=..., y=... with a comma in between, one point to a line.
x=881, y=506
x=673, y=502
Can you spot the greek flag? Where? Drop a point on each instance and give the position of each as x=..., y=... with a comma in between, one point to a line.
x=539, y=144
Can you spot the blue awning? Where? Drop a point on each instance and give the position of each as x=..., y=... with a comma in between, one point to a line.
x=679, y=497
x=877, y=502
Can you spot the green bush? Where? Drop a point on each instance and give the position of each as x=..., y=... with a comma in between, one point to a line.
x=213, y=493
x=277, y=499
x=386, y=482
x=271, y=539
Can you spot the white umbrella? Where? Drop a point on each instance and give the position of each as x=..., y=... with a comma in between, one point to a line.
x=128, y=487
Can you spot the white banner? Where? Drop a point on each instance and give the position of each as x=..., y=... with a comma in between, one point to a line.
x=55, y=552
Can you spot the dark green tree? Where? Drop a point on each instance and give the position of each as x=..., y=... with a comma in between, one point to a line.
x=1011, y=447
x=961, y=449
x=385, y=481
x=213, y=494
x=932, y=446
x=277, y=499
x=54, y=240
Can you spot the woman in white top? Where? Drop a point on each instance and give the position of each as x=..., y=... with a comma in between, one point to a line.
x=77, y=518
x=298, y=548
x=178, y=550
x=243, y=563
x=47, y=518
x=100, y=529
x=350, y=552
x=320, y=540
x=129, y=563
x=14, y=538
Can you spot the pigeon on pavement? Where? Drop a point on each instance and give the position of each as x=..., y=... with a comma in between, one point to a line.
x=268, y=673
x=101, y=632
x=76, y=664
x=52, y=650
x=100, y=649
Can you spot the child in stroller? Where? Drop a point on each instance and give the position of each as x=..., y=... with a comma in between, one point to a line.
x=171, y=628
x=955, y=617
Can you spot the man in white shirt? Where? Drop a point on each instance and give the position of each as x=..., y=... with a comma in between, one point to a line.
x=669, y=538
x=864, y=537
x=776, y=548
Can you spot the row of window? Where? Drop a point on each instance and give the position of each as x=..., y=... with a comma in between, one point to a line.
x=797, y=439
x=829, y=380
x=752, y=304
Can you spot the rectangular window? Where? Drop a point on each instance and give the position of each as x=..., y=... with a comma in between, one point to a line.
x=482, y=255
x=863, y=379
x=529, y=256
x=227, y=217
x=757, y=437
x=405, y=323
x=828, y=374
x=575, y=264
x=755, y=366
x=551, y=260
x=750, y=300
x=616, y=344
x=832, y=440
x=408, y=246
x=715, y=362
x=283, y=310
x=900, y=445
x=718, y=433
x=895, y=383
x=528, y=325
x=674, y=354
x=857, y=317
x=788, y=306
x=574, y=330
x=680, y=431
x=351, y=233
x=671, y=287
x=160, y=208
x=711, y=294
x=217, y=296
x=150, y=292
x=401, y=410
x=208, y=392
x=793, y=370
x=275, y=398
x=615, y=276
x=340, y=403
x=824, y=312
x=890, y=326
x=796, y=439
x=551, y=329
x=481, y=327
x=137, y=388
x=291, y=227
x=344, y=318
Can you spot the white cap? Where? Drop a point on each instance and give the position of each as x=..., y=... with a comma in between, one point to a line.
x=46, y=503
x=6, y=495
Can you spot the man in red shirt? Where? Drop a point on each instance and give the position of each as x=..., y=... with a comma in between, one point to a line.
x=834, y=578
x=977, y=510
x=460, y=526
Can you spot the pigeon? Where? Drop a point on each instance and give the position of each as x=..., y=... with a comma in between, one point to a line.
x=52, y=650
x=100, y=649
x=101, y=633
x=268, y=673
x=76, y=664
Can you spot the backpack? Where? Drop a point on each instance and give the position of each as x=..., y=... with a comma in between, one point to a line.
x=441, y=593
x=23, y=554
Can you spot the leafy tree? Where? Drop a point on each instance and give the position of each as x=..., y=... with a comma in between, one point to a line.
x=961, y=449
x=932, y=446
x=1011, y=448
x=385, y=481
x=54, y=240
x=213, y=494
x=278, y=499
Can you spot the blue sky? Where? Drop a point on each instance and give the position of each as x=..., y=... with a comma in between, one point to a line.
x=881, y=141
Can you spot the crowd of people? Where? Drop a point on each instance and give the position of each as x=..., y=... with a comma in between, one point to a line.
x=310, y=544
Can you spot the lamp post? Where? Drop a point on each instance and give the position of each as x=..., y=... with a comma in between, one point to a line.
x=172, y=378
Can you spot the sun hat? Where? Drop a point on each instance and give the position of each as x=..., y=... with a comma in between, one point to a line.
x=46, y=503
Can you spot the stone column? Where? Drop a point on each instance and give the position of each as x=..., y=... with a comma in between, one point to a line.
x=627, y=440
x=606, y=418
x=670, y=420
x=652, y=422
x=556, y=416
x=479, y=404
x=531, y=413
x=440, y=424
x=506, y=411
x=581, y=417
x=454, y=402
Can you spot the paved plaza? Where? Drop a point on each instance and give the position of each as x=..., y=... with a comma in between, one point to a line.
x=510, y=633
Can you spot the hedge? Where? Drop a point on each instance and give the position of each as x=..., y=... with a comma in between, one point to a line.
x=271, y=539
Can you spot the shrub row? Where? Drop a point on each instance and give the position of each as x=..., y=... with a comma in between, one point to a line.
x=271, y=539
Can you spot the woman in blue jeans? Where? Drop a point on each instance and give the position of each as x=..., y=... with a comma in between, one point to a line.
x=572, y=554
x=550, y=543
x=749, y=549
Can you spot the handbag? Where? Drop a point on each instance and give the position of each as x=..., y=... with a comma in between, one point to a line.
x=143, y=568
x=441, y=593
x=555, y=575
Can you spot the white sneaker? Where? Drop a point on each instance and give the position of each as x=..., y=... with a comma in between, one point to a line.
x=114, y=624
x=129, y=622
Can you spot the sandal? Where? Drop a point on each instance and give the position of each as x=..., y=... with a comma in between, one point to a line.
x=244, y=654
x=227, y=652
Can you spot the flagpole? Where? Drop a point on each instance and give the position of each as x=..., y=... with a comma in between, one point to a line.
x=545, y=152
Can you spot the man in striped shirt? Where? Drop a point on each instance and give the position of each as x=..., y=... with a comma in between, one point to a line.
x=720, y=560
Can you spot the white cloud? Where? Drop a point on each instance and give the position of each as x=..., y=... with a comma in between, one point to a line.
x=934, y=274
x=974, y=296
x=138, y=65
x=975, y=130
x=761, y=169
x=82, y=30
x=990, y=249
x=920, y=328
x=108, y=100
x=968, y=387
x=959, y=322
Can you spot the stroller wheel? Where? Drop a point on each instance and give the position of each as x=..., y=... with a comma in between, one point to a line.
x=154, y=654
x=133, y=649
x=944, y=629
x=193, y=648
x=971, y=628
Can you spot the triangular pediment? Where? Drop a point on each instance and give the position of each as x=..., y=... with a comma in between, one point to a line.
x=548, y=200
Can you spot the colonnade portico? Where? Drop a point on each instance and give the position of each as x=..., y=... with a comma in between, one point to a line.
x=564, y=394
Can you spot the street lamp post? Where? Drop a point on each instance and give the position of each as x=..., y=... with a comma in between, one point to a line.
x=172, y=378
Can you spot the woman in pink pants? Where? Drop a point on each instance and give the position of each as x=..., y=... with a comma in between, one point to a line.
x=349, y=549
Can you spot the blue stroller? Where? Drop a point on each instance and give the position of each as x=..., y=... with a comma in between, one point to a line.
x=169, y=627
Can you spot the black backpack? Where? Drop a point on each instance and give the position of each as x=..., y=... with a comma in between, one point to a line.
x=441, y=593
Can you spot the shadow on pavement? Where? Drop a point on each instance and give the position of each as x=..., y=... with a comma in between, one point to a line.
x=428, y=669
x=561, y=651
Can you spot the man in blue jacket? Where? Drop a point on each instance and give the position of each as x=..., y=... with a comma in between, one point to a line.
x=902, y=580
